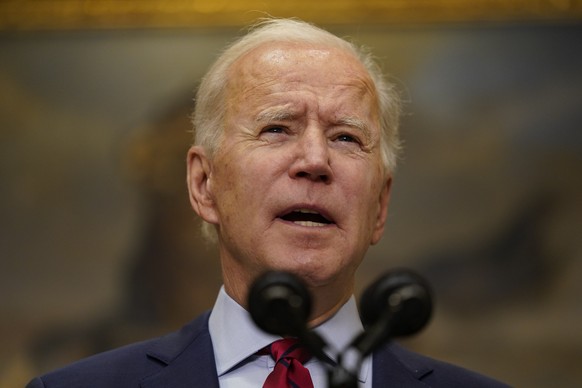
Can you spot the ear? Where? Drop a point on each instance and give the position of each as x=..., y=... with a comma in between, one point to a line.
x=384, y=200
x=199, y=184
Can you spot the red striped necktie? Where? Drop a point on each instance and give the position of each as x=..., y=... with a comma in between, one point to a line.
x=289, y=372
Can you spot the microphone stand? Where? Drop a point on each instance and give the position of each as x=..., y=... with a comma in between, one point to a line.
x=343, y=375
x=398, y=304
x=349, y=363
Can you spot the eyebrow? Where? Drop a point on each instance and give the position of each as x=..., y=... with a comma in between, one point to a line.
x=284, y=114
x=275, y=115
x=355, y=122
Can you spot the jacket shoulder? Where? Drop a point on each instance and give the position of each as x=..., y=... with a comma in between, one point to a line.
x=127, y=365
x=435, y=373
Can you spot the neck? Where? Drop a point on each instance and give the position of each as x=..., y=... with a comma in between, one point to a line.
x=326, y=299
x=328, y=295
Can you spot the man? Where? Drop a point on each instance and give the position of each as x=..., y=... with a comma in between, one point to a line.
x=296, y=141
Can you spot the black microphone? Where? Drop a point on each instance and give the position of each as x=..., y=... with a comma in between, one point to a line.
x=398, y=304
x=280, y=304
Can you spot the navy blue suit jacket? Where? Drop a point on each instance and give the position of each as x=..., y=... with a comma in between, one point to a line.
x=185, y=359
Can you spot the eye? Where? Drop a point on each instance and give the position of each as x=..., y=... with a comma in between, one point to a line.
x=274, y=129
x=346, y=138
x=274, y=133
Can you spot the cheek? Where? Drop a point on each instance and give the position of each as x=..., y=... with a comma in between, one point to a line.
x=225, y=185
x=364, y=193
x=238, y=183
x=361, y=183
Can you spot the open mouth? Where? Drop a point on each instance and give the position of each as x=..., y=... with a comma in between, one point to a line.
x=306, y=217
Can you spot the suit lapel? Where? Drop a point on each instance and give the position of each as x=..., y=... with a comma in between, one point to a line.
x=390, y=369
x=188, y=357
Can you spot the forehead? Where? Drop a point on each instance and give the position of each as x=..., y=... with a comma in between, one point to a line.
x=280, y=53
x=272, y=65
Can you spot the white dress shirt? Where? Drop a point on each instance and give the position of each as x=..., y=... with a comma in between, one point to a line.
x=236, y=340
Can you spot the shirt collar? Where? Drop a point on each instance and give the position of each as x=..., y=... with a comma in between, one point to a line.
x=228, y=320
x=234, y=335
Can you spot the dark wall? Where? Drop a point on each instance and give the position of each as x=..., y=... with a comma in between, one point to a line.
x=98, y=245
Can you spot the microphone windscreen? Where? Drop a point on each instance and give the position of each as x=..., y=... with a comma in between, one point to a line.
x=279, y=303
x=402, y=294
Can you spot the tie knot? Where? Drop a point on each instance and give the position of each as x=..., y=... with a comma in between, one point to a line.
x=288, y=348
x=289, y=356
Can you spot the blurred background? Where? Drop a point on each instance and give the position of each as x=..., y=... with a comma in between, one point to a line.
x=98, y=245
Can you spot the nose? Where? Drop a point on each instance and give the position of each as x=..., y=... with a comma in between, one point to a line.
x=312, y=157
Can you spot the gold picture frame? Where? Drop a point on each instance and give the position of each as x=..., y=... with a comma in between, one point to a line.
x=108, y=14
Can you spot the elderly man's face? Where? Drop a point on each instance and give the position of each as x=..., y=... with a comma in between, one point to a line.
x=297, y=183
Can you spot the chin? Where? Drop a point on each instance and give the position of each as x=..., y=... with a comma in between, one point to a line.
x=317, y=267
x=315, y=274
